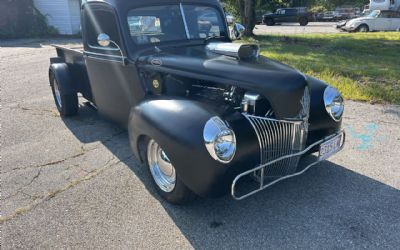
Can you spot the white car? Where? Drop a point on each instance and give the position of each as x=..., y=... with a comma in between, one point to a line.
x=377, y=20
x=230, y=19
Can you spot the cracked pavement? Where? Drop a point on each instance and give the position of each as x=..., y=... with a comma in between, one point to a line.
x=73, y=182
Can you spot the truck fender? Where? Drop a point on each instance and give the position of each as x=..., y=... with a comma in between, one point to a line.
x=177, y=126
x=321, y=124
x=61, y=73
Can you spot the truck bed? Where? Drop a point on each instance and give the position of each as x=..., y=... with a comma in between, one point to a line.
x=73, y=57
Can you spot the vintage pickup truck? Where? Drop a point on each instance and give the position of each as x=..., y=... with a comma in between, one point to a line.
x=206, y=116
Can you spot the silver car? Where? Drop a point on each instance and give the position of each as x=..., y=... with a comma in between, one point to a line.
x=377, y=20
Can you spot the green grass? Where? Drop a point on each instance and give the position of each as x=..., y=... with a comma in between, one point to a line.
x=363, y=66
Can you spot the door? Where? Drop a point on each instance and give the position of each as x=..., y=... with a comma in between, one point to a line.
x=383, y=22
x=291, y=15
x=280, y=15
x=115, y=85
x=395, y=21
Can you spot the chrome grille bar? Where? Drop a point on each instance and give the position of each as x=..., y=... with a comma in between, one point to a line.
x=278, y=138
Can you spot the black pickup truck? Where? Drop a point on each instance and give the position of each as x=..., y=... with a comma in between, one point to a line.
x=288, y=15
x=206, y=116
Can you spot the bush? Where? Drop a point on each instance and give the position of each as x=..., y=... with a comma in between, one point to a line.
x=20, y=18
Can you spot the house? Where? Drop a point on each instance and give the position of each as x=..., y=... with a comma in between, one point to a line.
x=64, y=15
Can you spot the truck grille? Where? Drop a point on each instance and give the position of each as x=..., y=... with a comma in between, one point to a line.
x=279, y=138
x=276, y=139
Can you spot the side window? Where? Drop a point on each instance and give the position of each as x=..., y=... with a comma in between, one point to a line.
x=395, y=14
x=203, y=21
x=99, y=21
x=384, y=14
x=156, y=24
x=291, y=11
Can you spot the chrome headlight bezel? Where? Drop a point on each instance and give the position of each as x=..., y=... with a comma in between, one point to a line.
x=334, y=103
x=219, y=139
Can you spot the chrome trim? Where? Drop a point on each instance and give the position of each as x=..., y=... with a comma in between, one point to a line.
x=213, y=133
x=334, y=103
x=277, y=138
x=161, y=168
x=286, y=157
x=100, y=54
x=184, y=21
x=57, y=93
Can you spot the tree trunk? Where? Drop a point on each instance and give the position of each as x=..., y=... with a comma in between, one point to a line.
x=248, y=15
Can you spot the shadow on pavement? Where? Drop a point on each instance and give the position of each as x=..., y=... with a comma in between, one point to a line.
x=329, y=206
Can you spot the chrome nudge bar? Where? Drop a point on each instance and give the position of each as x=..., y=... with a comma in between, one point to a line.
x=262, y=185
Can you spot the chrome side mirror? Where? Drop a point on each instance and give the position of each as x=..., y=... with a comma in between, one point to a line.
x=238, y=31
x=103, y=40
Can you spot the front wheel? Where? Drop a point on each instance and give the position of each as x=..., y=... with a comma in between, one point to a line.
x=303, y=22
x=165, y=178
x=269, y=22
x=362, y=28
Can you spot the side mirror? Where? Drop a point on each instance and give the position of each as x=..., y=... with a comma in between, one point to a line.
x=103, y=40
x=238, y=31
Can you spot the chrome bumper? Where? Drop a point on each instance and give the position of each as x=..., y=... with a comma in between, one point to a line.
x=262, y=181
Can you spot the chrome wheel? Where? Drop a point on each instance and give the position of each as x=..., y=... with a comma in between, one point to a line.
x=57, y=94
x=161, y=168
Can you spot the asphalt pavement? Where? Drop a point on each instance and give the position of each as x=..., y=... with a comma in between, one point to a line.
x=73, y=182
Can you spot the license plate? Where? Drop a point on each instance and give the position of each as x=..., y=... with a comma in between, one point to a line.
x=330, y=147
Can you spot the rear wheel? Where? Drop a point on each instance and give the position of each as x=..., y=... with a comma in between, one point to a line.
x=303, y=21
x=269, y=22
x=67, y=104
x=363, y=28
x=165, y=178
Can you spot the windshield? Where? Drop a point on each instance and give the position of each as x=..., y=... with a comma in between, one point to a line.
x=163, y=23
x=374, y=13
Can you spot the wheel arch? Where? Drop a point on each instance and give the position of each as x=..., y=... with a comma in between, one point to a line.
x=363, y=24
x=177, y=126
x=61, y=73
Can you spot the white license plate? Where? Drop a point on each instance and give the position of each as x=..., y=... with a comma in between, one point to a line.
x=330, y=147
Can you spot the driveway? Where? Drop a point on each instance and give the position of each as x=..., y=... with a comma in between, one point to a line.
x=295, y=28
x=73, y=182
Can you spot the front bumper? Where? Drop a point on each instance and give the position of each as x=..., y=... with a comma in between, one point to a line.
x=263, y=183
x=349, y=28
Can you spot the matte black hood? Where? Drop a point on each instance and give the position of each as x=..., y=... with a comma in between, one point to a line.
x=282, y=85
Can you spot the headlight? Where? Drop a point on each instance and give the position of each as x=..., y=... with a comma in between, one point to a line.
x=334, y=103
x=219, y=139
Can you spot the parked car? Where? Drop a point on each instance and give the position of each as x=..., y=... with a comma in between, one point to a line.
x=230, y=19
x=288, y=15
x=202, y=113
x=330, y=16
x=260, y=14
x=377, y=20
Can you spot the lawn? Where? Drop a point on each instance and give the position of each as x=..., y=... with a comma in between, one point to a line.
x=363, y=66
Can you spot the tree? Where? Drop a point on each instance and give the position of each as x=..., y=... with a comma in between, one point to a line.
x=247, y=9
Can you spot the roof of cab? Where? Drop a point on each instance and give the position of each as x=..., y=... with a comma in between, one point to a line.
x=128, y=4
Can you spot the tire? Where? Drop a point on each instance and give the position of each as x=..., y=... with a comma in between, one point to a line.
x=303, y=21
x=169, y=186
x=67, y=104
x=269, y=22
x=362, y=28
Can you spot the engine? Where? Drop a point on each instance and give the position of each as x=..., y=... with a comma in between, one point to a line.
x=246, y=101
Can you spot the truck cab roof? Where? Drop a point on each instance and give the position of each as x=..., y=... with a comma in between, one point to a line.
x=128, y=4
